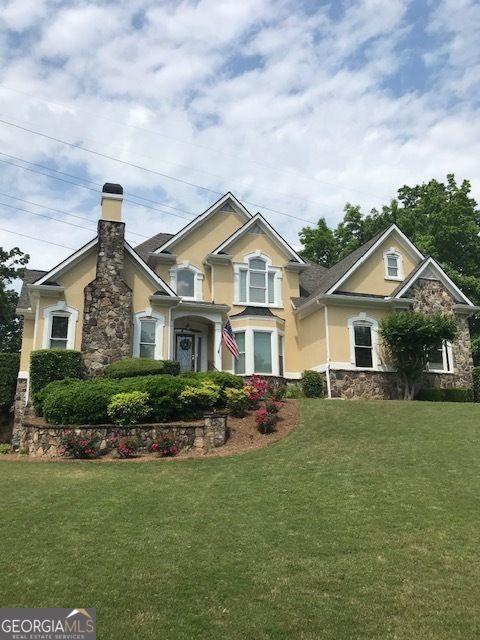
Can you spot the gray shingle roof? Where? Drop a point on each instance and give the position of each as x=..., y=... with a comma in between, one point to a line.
x=152, y=244
x=29, y=277
x=310, y=278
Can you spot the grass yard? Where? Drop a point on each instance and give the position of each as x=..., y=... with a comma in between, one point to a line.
x=364, y=523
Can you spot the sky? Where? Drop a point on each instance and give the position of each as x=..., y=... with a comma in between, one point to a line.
x=295, y=106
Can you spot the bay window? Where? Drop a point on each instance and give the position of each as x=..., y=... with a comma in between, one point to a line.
x=260, y=351
x=240, y=362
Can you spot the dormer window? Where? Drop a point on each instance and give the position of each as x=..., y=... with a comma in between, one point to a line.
x=186, y=280
x=258, y=283
x=393, y=261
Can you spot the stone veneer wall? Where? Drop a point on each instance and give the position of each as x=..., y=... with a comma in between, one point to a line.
x=45, y=439
x=107, y=315
x=19, y=410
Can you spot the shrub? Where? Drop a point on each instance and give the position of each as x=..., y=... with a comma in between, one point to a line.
x=273, y=406
x=9, y=363
x=476, y=384
x=446, y=395
x=277, y=388
x=40, y=397
x=129, y=407
x=201, y=397
x=165, y=445
x=53, y=364
x=237, y=401
x=257, y=388
x=266, y=421
x=131, y=367
x=5, y=448
x=312, y=384
x=223, y=379
x=126, y=447
x=79, y=446
x=293, y=391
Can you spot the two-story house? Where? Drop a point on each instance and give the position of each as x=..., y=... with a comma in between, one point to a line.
x=170, y=297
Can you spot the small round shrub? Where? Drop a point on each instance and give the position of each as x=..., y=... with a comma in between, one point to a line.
x=79, y=446
x=129, y=407
x=165, y=445
x=5, y=448
x=126, y=447
x=202, y=397
x=312, y=384
x=237, y=401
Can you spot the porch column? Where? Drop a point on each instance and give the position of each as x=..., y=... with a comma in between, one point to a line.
x=217, y=346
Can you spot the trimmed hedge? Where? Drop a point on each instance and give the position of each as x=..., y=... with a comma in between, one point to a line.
x=9, y=363
x=446, y=395
x=312, y=384
x=86, y=401
x=47, y=365
x=476, y=384
x=131, y=367
x=40, y=397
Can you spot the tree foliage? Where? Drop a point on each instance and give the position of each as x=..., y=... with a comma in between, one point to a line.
x=409, y=339
x=11, y=268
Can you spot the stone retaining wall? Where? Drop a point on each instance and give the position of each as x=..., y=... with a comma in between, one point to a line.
x=41, y=439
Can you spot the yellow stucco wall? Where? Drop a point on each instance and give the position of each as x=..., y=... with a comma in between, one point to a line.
x=339, y=336
x=27, y=344
x=370, y=276
x=311, y=340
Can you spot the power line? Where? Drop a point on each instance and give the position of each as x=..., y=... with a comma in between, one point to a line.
x=23, y=235
x=146, y=169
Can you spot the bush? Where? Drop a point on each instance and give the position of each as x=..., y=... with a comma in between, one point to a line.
x=129, y=407
x=40, y=397
x=200, y=397
x=446, y=395
x=312, y=384
x=5, y=448
x=257, y=388
x=266, y=420
x=53, y=364
x=126, y=447
x=237, y=401
x=222, y=379
x=79, y=446
x=476, y=384
x=131, y=367
x=165, y=445
x=9, y=363
x=293, y=391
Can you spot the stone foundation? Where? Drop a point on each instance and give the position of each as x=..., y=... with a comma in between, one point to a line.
x=19, y=410
x=41, y=439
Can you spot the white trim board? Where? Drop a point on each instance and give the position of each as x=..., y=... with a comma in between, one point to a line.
x=68, y=262
x=392, y=229
x=448, y=282
x=260, y=220
x=216, y=206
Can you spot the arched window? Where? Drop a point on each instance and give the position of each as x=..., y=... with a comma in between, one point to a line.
x=186, y=280
x=363, y=342
x=59, y=326
x=393, y=261
x=148, y=334
x=257, y=283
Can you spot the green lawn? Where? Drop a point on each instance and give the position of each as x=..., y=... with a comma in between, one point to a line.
x=364, y=523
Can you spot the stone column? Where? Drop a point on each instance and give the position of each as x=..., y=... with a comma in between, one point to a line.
x=215, y=432
x=19, y=406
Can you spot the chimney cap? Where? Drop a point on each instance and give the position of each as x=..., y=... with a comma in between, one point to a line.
x=111, y=187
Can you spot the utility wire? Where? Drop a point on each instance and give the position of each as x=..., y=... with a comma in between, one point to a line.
x=23, y=235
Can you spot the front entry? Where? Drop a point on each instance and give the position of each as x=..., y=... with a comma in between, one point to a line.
x=188, y=351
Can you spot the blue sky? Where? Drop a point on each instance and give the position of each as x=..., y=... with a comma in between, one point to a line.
x=298, y=107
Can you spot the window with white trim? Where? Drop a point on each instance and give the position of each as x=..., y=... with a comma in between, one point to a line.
x=240, y=362
x=148, y=334
x=363, y=345
x=257, y=283
x=393, y=261
x=59, y=330
x=441, y=359
x=186, y=280
x=147, y=337
x=261, y=351
x=186, y=283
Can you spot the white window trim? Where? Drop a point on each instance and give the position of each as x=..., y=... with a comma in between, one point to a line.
x=197, y=281
x=394, y=252
x=148, y=314
x=250, y=354
x=446, y=351
x=59, y=309
x=362, y=318
x=277, y=282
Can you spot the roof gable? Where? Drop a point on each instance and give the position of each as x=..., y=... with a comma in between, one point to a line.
x=256, y=226
x=228, y=203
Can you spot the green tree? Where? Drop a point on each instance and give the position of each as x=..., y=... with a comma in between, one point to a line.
x=409, y=338
x=319, y=244
x=11, y=268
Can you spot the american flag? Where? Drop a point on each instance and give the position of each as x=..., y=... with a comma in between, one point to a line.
x=229, y=340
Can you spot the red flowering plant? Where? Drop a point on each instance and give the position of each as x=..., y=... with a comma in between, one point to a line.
x=79, y=446
x=165, y=445
x=256, y=389
x=127, y=447
x=266, y=420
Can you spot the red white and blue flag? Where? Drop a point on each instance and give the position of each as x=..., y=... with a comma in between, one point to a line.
x=229, y=340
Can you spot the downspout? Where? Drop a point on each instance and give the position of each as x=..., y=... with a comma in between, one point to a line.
x=327, y=340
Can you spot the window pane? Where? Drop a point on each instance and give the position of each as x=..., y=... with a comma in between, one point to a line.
x=262, y=345
x=58, y=344
x=363, y=357
x=59, y=327
x=392, y=262
x=271, y=288
x=257, y=295
x=186, y=283
x=280, y=355
x=240, y=364
x=147, y=331
x=363, y=335
x=240, y=338
x=257, y=279
x=435, y=360
x=147, y=351
x=257, y=263
x=243, y=286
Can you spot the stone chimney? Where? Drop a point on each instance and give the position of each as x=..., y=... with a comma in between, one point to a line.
x=107, y=313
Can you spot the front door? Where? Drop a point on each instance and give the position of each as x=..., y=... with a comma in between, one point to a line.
x=185, y=351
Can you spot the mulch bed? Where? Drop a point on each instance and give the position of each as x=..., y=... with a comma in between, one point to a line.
x=243, y=436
